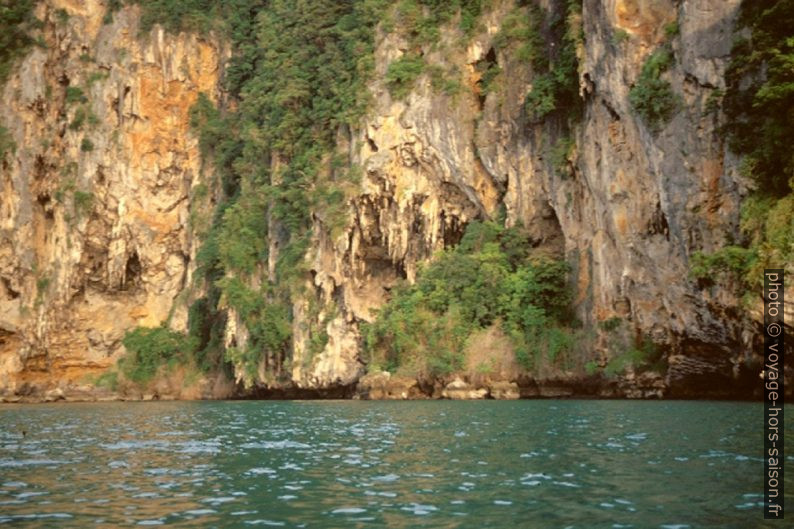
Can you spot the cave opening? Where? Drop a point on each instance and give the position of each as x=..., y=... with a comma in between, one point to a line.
x=44, y=201
x=452, y=230
x=372, y=144
x=549, y=235
x=657, y=225
x=9, y=290
x=488, y=68
x=132, y=272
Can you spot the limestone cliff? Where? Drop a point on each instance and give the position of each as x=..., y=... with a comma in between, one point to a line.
x=95, y=207
x=96, y=217
x=628, y=212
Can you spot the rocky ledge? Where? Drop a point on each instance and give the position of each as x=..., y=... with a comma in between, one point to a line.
x=680, y=382
x=646, y=385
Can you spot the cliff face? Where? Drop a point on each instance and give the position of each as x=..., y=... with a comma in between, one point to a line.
x=97, y=237
x=628, y=212
x=95, y=212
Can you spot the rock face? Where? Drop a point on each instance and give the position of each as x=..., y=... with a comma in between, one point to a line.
x=460, y=390
x=97, y=237
x=384, y=386
x=95, y=218
x=629, y=212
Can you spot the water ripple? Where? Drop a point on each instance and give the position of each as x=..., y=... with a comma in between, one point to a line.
x=358, y=464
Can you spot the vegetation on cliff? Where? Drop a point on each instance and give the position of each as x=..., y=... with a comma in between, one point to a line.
x=150, y=348
x=555, y=85
x=299, y=75
x=490, y=278
x=652, y=96
x=298, y=78
x=759, y=101
x=17, y=21
x=759, y=107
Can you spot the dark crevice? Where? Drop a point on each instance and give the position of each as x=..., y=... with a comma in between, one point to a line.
x=612, y=112
x=10, y=292
x=399, y=269
x=452, y=230
x=132, y=272
x=486, y=66
x=292, y=391
x=658, y=224
x=44, y=201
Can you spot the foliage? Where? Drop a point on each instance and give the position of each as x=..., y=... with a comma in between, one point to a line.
x=299, y=75
x=86, y=145
x=243, y=234
x=555, y=88
x=619, y=36
x=7, y=143
x=108, y=379
x=487, y=278
x=443, y=81
x=267, y=317
x=112, y=7
x=299, y=72
x=759, y=108
x=542, y=98
x=610, y=324
x=62, y=16
x=247, y=358
x=93, y=77
x=420, y=19
x=17, y=20
x=42, y=284
x=148, y=348
x=218, y=141
x=561, y=154
x=205, y=328
x=759, y=100
x=402, y=73
x=713, y=101
x=83, y=201
x=644, y=355
x=175, y=15
x=489, y=71
x=672, y=29
x=651, y=96
x=78, y=120
x=733, y=260
x=74, y=94
x=767, y=225
x=524, y=29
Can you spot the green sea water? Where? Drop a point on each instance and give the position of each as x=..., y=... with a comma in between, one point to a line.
x=540, y=463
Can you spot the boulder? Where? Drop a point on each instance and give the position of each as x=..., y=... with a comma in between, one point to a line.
x=460, y=390
x=504, y=390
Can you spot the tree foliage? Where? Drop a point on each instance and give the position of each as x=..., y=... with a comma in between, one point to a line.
x=149, y=348
x=488, y=278
x=652, y=96
x=759, y=111
x=555, y=86
x=17, y=20
x=759, y=101
x=299, y=75
x=402, y=73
